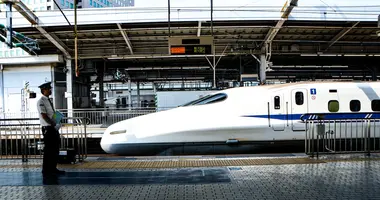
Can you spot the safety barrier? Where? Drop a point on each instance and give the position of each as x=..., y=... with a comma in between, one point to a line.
x=108, y=117
x=342, y=133
x=103, y=117
x=22, y=138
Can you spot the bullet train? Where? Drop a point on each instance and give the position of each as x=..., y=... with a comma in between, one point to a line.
x=240, y=120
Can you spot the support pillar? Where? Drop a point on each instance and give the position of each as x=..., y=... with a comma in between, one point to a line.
x=154, y=88
x=241, y=70
x=9, y=24
x=138, y=94
x=263, y=66
x=53, y=92
x=88, y=89
x=214, y=67
x=129, y=94
x=214, y=77
x=101, y=89
x=2, y=89
x=374, y=74
x=69, y=88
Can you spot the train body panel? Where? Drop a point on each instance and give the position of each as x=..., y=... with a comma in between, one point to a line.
x=244, y=115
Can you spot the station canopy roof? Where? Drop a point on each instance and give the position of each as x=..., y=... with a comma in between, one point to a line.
x=238, y=43
x=147, y=40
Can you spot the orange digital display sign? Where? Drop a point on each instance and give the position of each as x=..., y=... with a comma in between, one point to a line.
x=177, y=50
x=190, y=50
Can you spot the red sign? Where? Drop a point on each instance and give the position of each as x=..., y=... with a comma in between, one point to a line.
x=177, y=50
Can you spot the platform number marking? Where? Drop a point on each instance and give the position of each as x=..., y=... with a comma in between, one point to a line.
x=313, y=91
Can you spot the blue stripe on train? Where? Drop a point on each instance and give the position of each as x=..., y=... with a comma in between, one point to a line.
x=326, y=116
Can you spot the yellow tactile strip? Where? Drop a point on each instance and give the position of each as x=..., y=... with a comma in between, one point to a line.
x=178, y=163
x=350, y=159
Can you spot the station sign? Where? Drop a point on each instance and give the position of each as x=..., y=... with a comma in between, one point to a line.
x=191, y=45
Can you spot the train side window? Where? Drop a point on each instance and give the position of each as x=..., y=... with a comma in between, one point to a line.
x=276, y=102
x=355, y=105
x=375, y=104
x=208, y=99
x=333, y=106
x=299, y=98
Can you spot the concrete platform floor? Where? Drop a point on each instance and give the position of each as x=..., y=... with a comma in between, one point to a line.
x=339, y=177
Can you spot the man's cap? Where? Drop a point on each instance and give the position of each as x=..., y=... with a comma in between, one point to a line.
x=45, y=86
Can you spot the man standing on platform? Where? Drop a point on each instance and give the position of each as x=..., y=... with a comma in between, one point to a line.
x=50, y=132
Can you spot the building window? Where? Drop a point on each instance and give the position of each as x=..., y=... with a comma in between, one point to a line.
x=299, y=98
x=62, y=2
x=71, y=5
x=276, y=102
x=375, y=104
x=49, y=8
x=355, y=105
x=333, y=106
x=90, y=2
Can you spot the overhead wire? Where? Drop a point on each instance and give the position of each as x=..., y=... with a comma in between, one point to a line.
x=62, y=13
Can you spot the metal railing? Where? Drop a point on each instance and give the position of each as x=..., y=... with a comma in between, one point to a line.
x=342, y=133
x=103, y=117
x=22, y=138
x=108, y=117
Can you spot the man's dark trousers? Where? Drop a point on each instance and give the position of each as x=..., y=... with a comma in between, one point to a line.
x=51, y=149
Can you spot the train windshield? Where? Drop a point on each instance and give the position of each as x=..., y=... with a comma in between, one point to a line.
x=207, y=99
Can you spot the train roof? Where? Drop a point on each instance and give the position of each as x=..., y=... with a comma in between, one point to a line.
x=317, y=84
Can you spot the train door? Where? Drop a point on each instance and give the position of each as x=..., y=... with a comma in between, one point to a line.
x=277, y=115
x=299, y=106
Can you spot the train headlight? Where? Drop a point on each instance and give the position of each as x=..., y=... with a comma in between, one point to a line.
x=118, y=132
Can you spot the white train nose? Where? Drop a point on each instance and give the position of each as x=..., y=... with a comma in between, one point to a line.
x=106, y=146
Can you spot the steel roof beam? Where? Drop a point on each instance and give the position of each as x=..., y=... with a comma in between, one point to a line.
x=55, y=40
x=126, y=38
x=340, y=35
x=274, y=30
x=33, y=19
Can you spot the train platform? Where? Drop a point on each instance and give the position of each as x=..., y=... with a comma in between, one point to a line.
x=263, y=176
